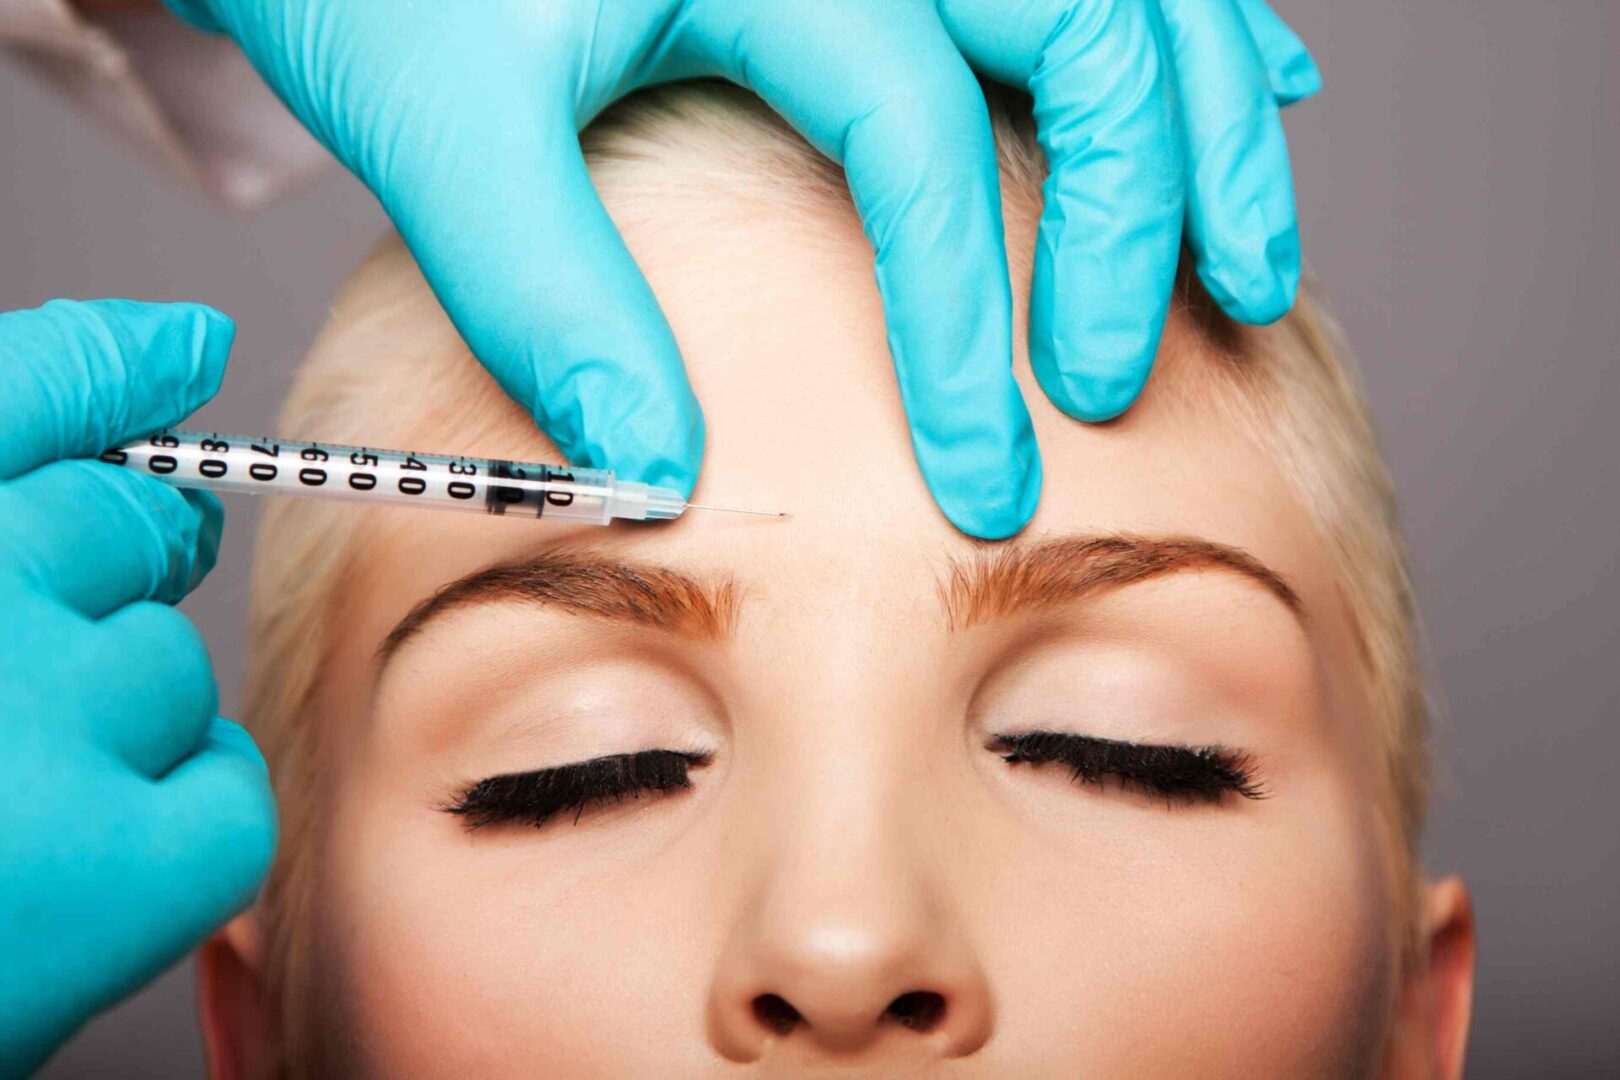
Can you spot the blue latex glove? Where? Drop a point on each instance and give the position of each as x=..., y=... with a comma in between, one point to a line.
x=132, y=819
x=1153, y=113
x=463, y=119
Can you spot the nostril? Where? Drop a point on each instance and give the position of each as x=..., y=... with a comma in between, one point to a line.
x=775, y=1013
x=919, y=1010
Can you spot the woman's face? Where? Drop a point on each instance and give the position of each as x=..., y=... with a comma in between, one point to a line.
x=856, y=879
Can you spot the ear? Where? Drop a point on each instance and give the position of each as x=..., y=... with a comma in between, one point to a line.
x=1431, y=1022
x=237, y=1017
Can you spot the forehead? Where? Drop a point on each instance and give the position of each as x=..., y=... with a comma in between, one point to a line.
x=782, y=330
x=785, y=343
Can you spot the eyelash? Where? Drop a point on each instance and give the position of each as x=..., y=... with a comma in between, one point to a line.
x=1201, y=774
x=1195, y=774
x=534, y=798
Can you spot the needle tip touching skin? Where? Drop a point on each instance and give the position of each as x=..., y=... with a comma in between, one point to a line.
x=739, y=510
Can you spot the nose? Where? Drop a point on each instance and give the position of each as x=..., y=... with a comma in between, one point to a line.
x=846, y=950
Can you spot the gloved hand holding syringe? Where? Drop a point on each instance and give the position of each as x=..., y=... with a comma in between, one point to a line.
x=1160, y=125
x=367, y=474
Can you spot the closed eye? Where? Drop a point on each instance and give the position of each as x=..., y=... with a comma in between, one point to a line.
x=1200, y=774
x=534, y=798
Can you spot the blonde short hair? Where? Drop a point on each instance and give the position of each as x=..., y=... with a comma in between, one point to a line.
x=1292, y=384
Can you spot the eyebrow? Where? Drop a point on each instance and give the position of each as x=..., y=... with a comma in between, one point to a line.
x=650, y=596
x=996, y=583
x=992, y=583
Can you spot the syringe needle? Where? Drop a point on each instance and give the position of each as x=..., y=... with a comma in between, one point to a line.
x=739, y=510
x=512, y=489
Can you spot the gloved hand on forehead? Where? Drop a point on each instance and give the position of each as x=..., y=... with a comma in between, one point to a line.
x=463, y=119
x=133, y=820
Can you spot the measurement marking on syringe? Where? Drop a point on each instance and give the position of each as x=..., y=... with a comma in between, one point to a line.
x=368, y=474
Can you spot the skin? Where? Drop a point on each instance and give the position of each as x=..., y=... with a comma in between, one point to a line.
x=852, y=839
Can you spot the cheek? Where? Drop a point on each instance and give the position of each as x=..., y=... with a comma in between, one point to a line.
x=494, y=959
x=1257, y=950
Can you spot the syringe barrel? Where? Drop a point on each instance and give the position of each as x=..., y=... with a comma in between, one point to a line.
x=367, y=474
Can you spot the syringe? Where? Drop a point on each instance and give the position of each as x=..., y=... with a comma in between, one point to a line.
x=372, y=475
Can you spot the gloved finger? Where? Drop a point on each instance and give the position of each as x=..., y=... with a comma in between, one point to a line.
x=210, y=826
x=78, y=377
x=210, y=533
x=98, y=536
x=881, y=89
x=1241, y=221
x=1107, y=113
x=1293, y=74
x=153, y=694
x=216, y=812
x=535, y=276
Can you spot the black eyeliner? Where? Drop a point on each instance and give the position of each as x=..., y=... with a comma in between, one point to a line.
x=533, y=798
x=1193, y=773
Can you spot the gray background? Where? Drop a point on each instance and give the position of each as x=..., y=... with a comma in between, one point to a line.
x=1459, y=184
